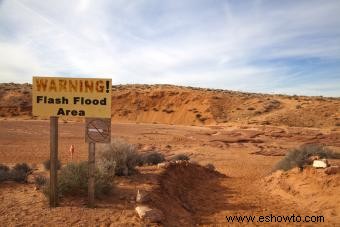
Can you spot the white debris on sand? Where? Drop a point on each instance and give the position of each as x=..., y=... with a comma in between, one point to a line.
x=152, y=215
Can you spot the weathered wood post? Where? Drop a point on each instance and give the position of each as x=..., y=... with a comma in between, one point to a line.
x=91, y=169
x=53, y=161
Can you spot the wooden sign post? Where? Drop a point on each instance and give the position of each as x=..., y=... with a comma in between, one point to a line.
x=78, y=97
x=53, y=161
x=91, y=169
x=97, y=130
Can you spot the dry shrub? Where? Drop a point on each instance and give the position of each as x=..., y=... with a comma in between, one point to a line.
x=4, y=168
x=180, y=157
x=20, y=172
x=299, y=157
x=22, y=167
x=118, y=158
x=4, y=172
x=40, y=181
x=73, y=181
x=47, y=164
x=151, y=158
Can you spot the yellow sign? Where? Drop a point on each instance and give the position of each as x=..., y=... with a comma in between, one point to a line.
x=79, y=97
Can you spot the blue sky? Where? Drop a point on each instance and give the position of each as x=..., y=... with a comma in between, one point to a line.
x=290, y=47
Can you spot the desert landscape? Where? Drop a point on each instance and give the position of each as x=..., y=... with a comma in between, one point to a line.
x=233, y=141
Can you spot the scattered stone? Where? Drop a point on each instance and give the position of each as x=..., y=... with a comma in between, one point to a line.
x=152, y=215
x=332, y=170
x=142, y=197
x=193, y=162
x=163, y=165
x=320, y=163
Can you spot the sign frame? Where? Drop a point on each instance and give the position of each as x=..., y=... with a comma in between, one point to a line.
x=71, y=97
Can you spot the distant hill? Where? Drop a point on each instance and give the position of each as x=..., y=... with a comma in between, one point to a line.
x=194, y=106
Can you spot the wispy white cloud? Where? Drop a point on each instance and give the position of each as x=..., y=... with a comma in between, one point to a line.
x=261, y=46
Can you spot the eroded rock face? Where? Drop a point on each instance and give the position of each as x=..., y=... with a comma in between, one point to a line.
x=149, y=214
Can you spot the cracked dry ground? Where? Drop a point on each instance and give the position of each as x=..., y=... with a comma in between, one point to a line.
x=244, y=155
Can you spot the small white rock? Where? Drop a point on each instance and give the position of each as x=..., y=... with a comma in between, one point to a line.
x=320, y=163
x=152, y=215
x=163, y=165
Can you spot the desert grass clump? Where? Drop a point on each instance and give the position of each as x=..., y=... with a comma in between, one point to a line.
x=180, y=157
x=73, y=181
x=4, y=173
x=119, y=158
x=47, y=164
x=299, y=157
x=40, y=181
x=20, y=172
x=23, y=167
x=151, y=158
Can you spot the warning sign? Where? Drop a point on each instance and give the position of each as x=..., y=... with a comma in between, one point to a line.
x=79, y=97
x=98, y=130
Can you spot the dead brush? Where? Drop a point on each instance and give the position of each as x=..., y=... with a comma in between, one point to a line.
x=151, y=158
x=119, y=158
x=299, y=157
x=4, y=173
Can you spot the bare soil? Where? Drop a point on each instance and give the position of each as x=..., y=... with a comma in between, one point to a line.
x=188, y=194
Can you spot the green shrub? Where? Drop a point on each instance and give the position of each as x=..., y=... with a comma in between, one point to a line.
x=180, y=157
x=151, y=158
x=20, y=172
x=119, y=158
x=103, y=185
x=73, y=180
x=47, y=164
x=299, y=157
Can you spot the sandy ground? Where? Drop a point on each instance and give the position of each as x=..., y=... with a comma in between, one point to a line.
x=243, y=155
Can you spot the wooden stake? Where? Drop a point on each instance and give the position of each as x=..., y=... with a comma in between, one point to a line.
x=53, y=161
x=91, y=168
